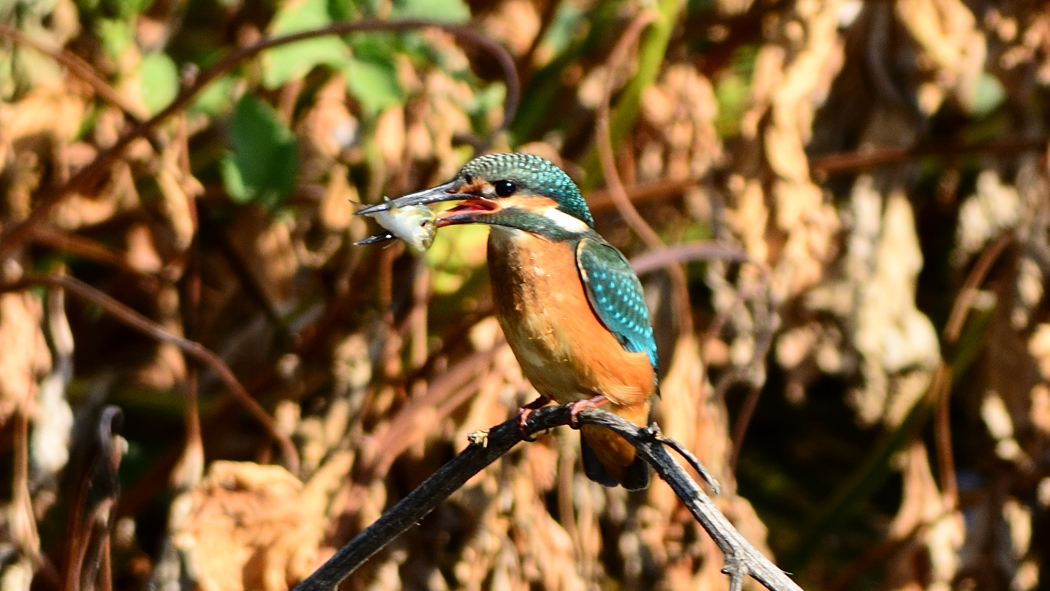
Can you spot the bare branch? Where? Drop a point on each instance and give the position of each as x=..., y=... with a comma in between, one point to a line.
x=742, y=559
x=869, y=158
x=694, y=251
x=144, y=325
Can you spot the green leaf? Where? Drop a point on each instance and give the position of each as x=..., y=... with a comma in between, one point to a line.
x=344, y=10
x=215, y=99
x=126, y=9
x=158, y=81
x=115, y=35
x=264, y=160
x=446, y=11
x=559, y=35
x=373, y=82
x=987, y=96
x=488, y=99
x=455, y=255
x=732, y=89
x=295, y=60
x=29, y=69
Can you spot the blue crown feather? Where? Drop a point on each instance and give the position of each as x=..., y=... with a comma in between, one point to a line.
x=534, y=174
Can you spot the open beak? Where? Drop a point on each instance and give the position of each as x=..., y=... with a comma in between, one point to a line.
x=467, y=212
x=445, y=192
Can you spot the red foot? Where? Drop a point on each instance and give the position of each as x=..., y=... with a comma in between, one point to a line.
x=576, y=407
x=523, y=416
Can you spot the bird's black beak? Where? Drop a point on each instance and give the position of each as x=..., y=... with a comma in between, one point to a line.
x=446, y=192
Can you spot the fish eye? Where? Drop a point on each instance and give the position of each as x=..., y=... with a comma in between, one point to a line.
x=505, y=188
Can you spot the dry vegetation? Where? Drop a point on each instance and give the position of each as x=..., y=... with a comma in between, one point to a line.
x=204, y=384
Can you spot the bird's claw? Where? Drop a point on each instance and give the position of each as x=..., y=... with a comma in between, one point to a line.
x=523, y=419
x=523, y=416
x=577, y=406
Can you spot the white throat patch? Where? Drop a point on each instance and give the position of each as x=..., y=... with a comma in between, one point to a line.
x=565, y=221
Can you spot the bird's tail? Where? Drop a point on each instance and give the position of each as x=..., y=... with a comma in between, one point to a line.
x=608, y=459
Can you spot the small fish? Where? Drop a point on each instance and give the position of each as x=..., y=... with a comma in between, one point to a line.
x=415, y=224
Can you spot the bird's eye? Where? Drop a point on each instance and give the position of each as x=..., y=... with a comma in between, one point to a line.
x=505, y=188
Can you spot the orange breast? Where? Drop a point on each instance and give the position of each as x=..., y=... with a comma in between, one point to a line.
x=563, y=349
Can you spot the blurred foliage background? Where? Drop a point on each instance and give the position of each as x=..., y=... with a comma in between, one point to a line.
x=839, y=210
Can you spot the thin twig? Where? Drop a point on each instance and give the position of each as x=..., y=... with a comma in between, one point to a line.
x=604, y=139
x=708, y=251
x=133, y=319
x=546, y=20
x=879, y=555
x=101, y=480
x=443, y=396
x=942, y=436
x=683, y=253
x=748, y=373
x=826, y=164
x=85, y=178
x=21, y=508
x=243, y=272
x=874, y=468
x=823, y=165
x=657, y=259
x=84, y=247
x=693, y=461
x=97, y=483
x=968, y=291
x=942, y=429
x=744, y=416
x=600, y=200
x=617, y=193
x=742, y=559
x=80, y=69
x=191, y=463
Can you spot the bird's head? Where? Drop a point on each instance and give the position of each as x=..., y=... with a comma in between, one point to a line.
x=519, y=191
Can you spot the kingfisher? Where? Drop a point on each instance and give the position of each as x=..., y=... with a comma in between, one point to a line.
x=571, y=307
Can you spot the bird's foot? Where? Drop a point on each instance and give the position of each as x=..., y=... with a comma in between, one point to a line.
x=523, y=416
x=576, y=407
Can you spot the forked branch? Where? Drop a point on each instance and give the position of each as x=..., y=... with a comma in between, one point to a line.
x=742, y=559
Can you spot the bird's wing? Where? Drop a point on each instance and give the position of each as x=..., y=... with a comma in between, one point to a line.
x=616, y=296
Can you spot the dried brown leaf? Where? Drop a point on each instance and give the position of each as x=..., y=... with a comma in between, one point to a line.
x=946, y=32
x=265, y=246
x=250, y=527
x=26, y=356
x=513, y=23
x=932, y=527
